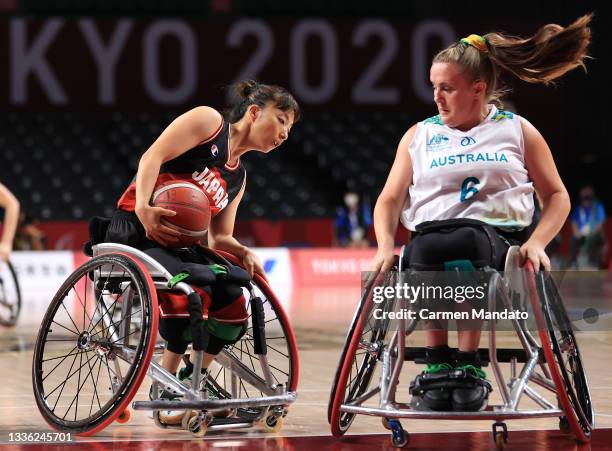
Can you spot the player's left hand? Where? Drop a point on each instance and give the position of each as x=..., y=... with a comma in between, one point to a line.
x=534, y=251
x=252, y=263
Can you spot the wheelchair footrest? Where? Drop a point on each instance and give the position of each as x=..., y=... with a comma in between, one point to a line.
x=229, y=421
x=503, y=355
x=207, y=404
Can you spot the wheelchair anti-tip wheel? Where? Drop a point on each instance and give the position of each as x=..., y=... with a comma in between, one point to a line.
x=362, y=349
x=89, y=360
x=562, y=354
x=10, y=294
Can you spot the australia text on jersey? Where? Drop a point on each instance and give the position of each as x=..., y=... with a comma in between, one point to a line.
x=467, y=158
x=211, y=184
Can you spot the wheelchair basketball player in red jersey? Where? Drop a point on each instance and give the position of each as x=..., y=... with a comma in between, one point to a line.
x=203, y=148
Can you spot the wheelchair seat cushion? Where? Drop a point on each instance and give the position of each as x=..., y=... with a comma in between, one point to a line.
x=436, y=243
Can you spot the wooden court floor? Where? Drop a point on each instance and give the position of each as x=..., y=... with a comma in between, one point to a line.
x=319, y=344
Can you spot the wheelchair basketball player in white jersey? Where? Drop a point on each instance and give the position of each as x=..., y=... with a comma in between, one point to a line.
x=463, y=183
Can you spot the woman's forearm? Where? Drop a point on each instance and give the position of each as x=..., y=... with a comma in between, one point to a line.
x=229, y=244
x=554, y=213
x=11, y=217
x=386, y=217
x=146, y=177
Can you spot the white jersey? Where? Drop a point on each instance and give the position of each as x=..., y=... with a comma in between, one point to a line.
x=478, y=174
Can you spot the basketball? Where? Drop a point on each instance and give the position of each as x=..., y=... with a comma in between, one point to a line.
x=192, y=210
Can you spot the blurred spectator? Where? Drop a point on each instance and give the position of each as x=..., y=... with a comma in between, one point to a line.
x=29, y=237
x=353, y=219
x=588, y=242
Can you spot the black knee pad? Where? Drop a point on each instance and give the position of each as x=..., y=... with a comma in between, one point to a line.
x=172, y=330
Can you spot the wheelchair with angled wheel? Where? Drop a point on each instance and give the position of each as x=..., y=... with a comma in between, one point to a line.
x=545, y=367
x=99, y=337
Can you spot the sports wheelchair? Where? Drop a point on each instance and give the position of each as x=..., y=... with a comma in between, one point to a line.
x=10, y=294
x=550, y=359
x=98, y=338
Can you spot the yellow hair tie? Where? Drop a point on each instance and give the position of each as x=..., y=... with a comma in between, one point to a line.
x=476, y=41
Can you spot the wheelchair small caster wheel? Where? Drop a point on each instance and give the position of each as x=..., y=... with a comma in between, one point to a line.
x=385, y=423
x=564, y=425
x=500, y=441
x=399, y=437
x=500, y=435
x=198, y=425
x=273, y=423
x=124, y=417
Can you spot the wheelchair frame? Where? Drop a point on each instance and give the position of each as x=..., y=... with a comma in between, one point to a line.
x=392, y=356
x=271, y=408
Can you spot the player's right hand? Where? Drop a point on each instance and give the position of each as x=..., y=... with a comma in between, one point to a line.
x=382, y=261
x=150, y=218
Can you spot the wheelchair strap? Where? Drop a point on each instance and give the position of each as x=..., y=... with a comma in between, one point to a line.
x=197, y=274
x=200, y=334
x=224, y=271
x=178, y=278
x=235, y=274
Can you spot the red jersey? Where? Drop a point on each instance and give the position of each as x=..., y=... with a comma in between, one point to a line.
x=204, y=166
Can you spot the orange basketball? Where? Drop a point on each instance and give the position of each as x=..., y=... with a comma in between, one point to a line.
x=192, y=210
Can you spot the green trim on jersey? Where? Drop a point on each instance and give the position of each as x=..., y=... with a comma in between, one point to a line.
x=502, y=114
x=434, y=120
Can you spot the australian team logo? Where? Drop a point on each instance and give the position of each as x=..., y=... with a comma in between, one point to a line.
x=467, y=141
x=214, y=150
x=437, y=142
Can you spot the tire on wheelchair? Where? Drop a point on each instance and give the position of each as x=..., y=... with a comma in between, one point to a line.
x=562, y=354
x=368, y=335
x=89, y=360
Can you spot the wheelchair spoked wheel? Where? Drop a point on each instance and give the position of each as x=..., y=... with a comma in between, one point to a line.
x=10, y=294
x=281, y=355
x=362, y=349
x=88, y=361
x=567, y=353
x=562, y=355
